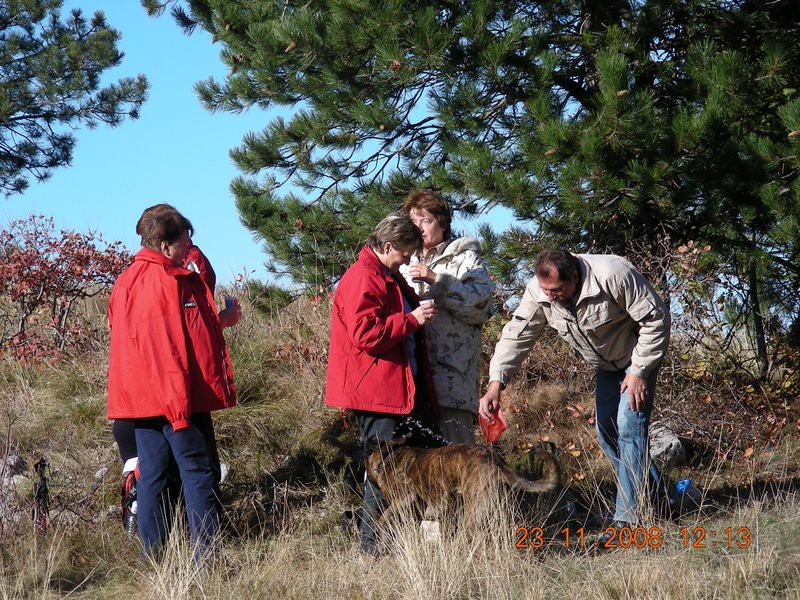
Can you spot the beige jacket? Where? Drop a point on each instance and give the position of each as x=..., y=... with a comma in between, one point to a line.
x=463, y=292
x=618, y=320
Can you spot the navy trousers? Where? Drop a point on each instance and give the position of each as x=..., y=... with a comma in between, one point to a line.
x=382, y=427
x=157, y=444
x=124, y=431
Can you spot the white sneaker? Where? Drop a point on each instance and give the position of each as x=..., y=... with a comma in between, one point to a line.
x=431, y=532
x=224, y=470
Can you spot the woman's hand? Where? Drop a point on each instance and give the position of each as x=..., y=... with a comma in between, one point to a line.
x=420, y=272
x=228, y=317
x=425, y=312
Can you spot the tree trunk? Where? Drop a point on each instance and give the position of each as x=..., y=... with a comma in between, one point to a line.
x=758, y=324
x=793, y=338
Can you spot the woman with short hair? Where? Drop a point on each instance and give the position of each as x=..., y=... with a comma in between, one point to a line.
x=377, y=360
x=168, y=367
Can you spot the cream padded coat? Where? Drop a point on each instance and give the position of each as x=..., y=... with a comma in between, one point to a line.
x=463, y=292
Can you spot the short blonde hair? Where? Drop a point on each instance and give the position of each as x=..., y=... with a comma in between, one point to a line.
x=399, y=231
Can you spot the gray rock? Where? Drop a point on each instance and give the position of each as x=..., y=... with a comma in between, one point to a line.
x=665, y=447
x=12, y=506
x=11, y=465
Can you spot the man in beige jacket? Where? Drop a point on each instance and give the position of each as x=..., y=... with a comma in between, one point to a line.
x=609, y=314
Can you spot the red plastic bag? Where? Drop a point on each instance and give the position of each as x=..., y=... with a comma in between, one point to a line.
x=493, y=429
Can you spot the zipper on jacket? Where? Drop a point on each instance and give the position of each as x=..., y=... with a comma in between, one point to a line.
x=225, y=378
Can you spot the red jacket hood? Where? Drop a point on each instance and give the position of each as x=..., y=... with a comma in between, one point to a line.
x=196, y=261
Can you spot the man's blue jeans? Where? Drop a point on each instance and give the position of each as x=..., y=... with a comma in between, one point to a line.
x=156, y=442
x=623, y=436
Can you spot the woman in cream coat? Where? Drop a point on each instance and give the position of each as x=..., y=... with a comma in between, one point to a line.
x=451, y=273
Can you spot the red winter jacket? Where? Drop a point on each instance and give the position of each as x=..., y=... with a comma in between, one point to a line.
x=168, y=357
x=368, y=367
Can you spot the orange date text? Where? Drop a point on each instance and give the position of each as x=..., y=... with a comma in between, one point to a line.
x=534, y=537
x=634, y=537
x=703, y=537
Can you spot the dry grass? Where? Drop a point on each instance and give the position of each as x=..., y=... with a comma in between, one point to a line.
x=288, y=489
x=298, y=562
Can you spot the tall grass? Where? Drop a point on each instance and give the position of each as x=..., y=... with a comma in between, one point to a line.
x=289, y=454
x=299, y=562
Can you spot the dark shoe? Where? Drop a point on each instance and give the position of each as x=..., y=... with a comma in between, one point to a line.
x=609, y=538
x=348, y=522
x=128, y=504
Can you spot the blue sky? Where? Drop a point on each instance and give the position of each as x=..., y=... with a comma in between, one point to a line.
x=176, y=152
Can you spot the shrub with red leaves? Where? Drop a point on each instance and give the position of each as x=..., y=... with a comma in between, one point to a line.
x=46, y=276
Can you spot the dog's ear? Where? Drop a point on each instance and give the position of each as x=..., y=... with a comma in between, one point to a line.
x=399, y=441
x=372, y=445
x=386, y=446
x=545, y=447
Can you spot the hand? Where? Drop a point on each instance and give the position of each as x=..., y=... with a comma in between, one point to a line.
x=490, y=401
x=420, y=272
x=637, y=391
x=425, y=312
x=228, y=317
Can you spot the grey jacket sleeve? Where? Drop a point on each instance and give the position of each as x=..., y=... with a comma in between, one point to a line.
x=467, y=294
x=518, y=337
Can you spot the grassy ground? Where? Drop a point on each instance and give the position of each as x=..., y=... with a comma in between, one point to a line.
x=294, y=470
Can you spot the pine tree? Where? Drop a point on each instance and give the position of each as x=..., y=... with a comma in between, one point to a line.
x=603, y=125
x=50, y=71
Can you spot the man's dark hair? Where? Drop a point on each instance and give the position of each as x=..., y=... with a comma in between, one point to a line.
x=162, y=223
x=564, y=264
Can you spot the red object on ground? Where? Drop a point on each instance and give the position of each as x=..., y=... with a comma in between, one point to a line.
x=492, y=430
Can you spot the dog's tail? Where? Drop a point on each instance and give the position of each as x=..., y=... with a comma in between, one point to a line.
x=549, y=482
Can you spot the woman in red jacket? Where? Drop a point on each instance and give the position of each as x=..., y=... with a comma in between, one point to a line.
x=168, y=362
x=123, y=429
x=377, y=361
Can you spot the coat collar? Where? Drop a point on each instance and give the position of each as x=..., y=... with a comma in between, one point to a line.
x=434, y=253
x=589, y=285
x=370, y=260
x=151, y=256
x=449, y=249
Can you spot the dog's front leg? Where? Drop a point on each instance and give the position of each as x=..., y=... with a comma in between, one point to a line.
x=402, y=508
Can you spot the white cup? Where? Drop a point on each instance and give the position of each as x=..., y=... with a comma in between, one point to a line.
x=426, y=301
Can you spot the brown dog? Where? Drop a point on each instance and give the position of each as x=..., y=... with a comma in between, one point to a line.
x=418, y=478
